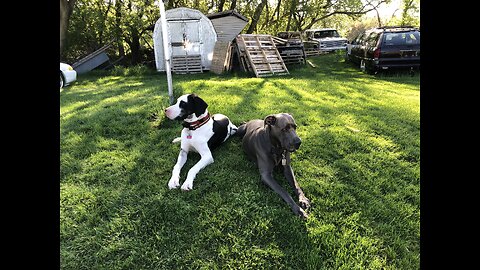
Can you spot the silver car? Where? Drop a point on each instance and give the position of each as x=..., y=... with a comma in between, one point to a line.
x=67, y=75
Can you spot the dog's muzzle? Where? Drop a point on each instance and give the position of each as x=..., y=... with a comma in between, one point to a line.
x=168, y=113
x=295, y=145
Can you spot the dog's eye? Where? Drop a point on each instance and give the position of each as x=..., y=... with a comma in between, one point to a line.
x=288, y=127
x=182, y=104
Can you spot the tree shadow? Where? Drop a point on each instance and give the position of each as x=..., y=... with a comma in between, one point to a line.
x=231, y=218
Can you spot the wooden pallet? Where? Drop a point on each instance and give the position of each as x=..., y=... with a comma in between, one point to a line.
x=222, y=54
x=312, y=48
x=293, y=57
x=262, y=57
x=291, y=50
x=239, y=49
x=184, y=64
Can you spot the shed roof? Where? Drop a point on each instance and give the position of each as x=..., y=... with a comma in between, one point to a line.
x=226, y=13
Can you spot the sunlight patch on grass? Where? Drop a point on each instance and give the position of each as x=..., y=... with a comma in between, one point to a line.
x=76, y=203
x=74, y=106
x=359, y=164
x=110, y=80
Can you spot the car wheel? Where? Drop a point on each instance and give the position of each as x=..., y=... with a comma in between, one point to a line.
x=371, y=71
x=62, y=83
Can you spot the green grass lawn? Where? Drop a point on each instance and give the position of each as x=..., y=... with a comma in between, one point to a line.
x=359, y=164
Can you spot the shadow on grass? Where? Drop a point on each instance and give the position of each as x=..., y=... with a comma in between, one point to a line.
x=360, y=217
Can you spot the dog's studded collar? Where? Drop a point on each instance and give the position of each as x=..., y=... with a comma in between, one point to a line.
x=196, y=124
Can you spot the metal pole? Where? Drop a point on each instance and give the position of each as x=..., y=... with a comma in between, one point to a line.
x=166, y=49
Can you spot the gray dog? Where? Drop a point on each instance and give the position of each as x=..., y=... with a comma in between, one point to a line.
x=269, y=143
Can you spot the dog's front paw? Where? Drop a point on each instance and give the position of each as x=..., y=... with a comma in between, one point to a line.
x=188, y=185
x=301, y=213
x=304, y=202
x=174, y=182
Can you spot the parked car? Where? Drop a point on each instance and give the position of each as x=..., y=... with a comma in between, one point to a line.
x=67, y=75
x=384, y=48
x=328, y=39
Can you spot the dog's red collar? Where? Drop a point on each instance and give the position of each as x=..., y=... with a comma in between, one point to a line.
x=196, y=124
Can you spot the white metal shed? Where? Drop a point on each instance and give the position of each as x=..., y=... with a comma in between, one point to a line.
x=192, y=39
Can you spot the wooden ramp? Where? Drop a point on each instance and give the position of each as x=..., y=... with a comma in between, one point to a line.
x=183, y=64
x=262, y=57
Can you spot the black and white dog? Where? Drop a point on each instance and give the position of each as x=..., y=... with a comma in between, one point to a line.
x=201, y=133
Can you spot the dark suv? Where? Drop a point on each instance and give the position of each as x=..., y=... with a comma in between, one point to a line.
x=385, y=48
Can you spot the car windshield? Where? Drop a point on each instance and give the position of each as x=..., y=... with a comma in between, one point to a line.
x=404, y=38
x=325, y=34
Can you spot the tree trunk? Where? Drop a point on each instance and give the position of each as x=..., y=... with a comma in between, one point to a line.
x=378, y=18
x=233, y=5
x=292, y=11
x=135, y=47
x=118, y=29
x=277, y=10
x=221, y=3
x=256, y=17
x=66, y=9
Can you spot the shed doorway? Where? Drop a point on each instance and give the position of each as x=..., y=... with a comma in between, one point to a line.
x=185, y=37
x=186, y=46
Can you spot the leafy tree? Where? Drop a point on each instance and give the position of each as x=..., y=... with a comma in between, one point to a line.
x=256, y=17
x=128, y=24
x=305, y=14
x=124, y=23
x=136, y=18
x=87, y=29
x=410, y=7
x=66, y=9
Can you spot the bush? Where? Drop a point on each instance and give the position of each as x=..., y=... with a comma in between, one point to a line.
x=131, y=71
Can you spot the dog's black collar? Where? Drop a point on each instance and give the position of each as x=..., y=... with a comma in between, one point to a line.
x=277, y=151
x=279, y=155
x=196, y=124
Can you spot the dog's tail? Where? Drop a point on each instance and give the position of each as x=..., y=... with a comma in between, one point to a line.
x=241, y=130
x=176, y=140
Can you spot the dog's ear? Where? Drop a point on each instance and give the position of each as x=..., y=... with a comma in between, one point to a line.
x=198, y=105
x=270, y=120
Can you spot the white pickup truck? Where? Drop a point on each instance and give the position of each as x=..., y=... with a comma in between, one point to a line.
x=328, y=39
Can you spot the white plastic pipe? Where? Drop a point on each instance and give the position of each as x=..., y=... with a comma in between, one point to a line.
x=166, y=49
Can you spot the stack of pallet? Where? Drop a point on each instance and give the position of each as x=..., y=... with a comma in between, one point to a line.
x=222, y=56
x=183, y=64
x=312, y=48
x=258, y=54
x=291, y=50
